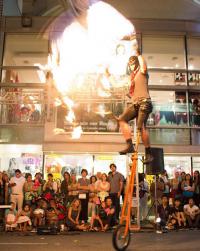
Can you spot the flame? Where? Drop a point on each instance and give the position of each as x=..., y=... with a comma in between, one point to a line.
x=76, y=134
x=87, y=42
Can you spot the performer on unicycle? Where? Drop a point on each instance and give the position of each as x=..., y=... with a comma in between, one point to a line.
x=141, y=105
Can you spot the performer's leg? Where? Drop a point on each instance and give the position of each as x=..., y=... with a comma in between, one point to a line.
x=143, y=114
x=129, y=114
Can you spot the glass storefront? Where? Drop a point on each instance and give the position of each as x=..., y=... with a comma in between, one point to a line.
x=27, y=158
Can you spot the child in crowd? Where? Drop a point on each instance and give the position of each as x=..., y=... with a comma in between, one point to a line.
x=73, y=216
x=24, y=218
x=11, y=218
x=38, y=214
x=98, y=218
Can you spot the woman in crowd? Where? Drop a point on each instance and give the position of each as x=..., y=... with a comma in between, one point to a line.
x=64, y=187
x=73, y=216
x=175, y=189
x=187, y=187
x=28, y=189
x=103, y=187
x=83, y=186
x=165, y=179
x=196, y=180
x=73, y=188
x=24, y=218
x=50, y=187
x=93, y=199
x=38, y=183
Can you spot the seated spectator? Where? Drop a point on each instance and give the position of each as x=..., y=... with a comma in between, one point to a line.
x=52, y=213
x=11, y=218
x=38, y=214
x=73, y=216
x=24, y=218
x=177, y=215
x=164, y=211
x=192, y=214
x=103, y=187
x=111, y=216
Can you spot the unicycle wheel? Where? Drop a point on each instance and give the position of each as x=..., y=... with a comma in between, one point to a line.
x=119, y=240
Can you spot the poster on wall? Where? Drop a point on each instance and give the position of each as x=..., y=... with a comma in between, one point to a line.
x=27, y=163
x=57, y=164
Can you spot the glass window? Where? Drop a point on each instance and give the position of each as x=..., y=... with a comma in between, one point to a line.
x=195, y=136
x=194, y=98
x=177, y=164
x=102, y=163
x=170, y=136
x=58, y=164
x=196, y=163
x=193, y=45
x=26, y=51
x=167, y=78
x=164, y=51
x=20, y=105
x=169, y=108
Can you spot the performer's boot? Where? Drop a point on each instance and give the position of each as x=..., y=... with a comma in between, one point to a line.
x=129, y=148
x=148, y=156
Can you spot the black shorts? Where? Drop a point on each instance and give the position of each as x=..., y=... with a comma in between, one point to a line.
x=139, y=110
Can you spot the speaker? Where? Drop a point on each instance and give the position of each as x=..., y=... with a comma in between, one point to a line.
x=157, y=165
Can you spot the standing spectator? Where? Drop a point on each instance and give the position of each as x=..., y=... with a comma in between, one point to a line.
x=50, y=187
x=83, y=186
x=73, y=188
x=197, y=188
x=64, y=187
x=38, y=184
x=17, y=193
x=116, y=181
x=175, y=190
x=103, y=187
x=6, y=189
x=187, y=187
x=143, y=192
x=98, y=176
x=92, y=196
x=159, y=186
x=28, y=190
x=164, y=178
x=192, y=214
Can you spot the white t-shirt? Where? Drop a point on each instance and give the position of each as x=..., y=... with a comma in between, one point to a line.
x=18, y=189
x=191, y=210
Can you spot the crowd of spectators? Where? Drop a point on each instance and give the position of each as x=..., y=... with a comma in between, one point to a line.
x=94, y=204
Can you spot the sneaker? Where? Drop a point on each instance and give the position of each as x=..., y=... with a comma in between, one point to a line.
x=129, y=149
x=148, y=159
x=159, y=232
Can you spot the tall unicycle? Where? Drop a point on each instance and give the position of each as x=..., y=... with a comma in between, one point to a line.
x=122, y=236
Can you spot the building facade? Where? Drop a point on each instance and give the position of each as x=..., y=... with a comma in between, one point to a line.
x=28, y=117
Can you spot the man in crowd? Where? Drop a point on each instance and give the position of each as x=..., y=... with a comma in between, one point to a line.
x=192, y=214
x=116, y=180
x=17, y=193
x=140, y=108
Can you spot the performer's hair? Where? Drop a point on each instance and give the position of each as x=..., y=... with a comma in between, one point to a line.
x=134, y=59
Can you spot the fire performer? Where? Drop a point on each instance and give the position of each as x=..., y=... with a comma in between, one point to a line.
x=141, y=106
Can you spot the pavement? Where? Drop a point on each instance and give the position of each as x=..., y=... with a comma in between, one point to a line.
x=91, y=241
